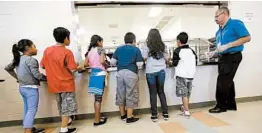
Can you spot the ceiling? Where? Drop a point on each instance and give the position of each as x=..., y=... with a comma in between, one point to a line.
x=112, y=23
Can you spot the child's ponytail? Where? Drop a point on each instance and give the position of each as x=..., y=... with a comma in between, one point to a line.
x=20, y=47
x=16, y=54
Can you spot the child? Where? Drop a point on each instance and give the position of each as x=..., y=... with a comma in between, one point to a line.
x=185, y=61
x=127, y=57
x=95, y=59
x=28, y=75
x=155, y=55
x=59, y=63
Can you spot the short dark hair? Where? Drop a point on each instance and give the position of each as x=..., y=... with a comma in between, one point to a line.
x=60, y=34
x=224, y=10
x=130, y=37
x=182, y=37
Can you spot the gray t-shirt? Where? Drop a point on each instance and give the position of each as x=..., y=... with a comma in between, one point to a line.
x=154, y=65
x=100, y=50
x=27, y=71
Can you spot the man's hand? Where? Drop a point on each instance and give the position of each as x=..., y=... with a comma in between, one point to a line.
x=211, y=54
x=223, y=48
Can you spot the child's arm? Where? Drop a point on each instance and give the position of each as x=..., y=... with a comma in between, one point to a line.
x=166, y=56
x=34, y=68
x=176, y=57
x=139, y=58
x=102, y=52
x=114, y=59
x=42, y=63
x=86, y=62
x=195, y=55
x=10, y=68
x=144, y=51
x=71, y=64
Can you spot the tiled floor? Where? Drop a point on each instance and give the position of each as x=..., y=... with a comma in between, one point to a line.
x=246, y=120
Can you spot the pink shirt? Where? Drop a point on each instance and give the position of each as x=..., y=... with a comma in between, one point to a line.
x=94, y=58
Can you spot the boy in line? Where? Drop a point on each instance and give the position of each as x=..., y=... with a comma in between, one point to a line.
x=128, y=58
x=59, y=63
x=185, y=61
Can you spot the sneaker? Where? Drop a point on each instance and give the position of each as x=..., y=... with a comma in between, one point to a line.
x=70, y=130
x=70, y=122
x=101, y=122
x=123, y=118
x=166, y=117
x=185, y=115
x=131, y=120
x=182, y=109
x=154, y=118
x=38, y=130
x=73, y=117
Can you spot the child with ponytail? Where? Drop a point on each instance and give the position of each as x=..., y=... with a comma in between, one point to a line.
x=96, y=60
x=28, y=76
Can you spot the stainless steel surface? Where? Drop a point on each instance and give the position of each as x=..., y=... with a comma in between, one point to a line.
x=199, y=45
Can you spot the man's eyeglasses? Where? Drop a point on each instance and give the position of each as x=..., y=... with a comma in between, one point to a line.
x=218, y=15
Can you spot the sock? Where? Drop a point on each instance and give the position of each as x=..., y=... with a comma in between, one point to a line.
x=63, y=130
x=187, y=113
x=69, y=120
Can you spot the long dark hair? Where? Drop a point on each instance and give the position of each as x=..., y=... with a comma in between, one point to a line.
x=155, y=44
x=20, y=47
x=93, y=42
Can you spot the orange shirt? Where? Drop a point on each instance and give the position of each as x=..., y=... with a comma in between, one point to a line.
x=58, y=61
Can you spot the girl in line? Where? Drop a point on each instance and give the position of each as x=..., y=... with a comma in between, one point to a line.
x=28, y=76
x=96, y=60
x=156, y=57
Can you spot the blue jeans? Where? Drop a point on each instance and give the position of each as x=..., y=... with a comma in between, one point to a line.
x=30, y=98
x=156, y=83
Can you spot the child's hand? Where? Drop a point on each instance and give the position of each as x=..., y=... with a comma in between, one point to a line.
x=80, y=67
x=44, y=78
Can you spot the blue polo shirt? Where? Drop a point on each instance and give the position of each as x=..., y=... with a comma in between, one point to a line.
x=127, y=56
x=232, y=31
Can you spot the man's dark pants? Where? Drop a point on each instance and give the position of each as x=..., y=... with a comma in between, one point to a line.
x=227, y=68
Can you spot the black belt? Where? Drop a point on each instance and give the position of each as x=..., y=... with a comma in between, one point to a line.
x=231, y=53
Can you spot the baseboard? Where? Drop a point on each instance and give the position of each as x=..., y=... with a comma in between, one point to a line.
x=116, y=113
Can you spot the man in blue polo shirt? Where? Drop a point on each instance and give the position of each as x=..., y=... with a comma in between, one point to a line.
x=230, y=39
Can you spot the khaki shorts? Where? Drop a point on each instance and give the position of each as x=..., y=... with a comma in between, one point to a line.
x=127, y=89
x=66, y=103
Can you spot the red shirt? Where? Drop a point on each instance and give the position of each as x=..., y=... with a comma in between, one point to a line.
x=58, y=61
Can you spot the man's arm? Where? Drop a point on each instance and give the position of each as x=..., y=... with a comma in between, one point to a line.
x=10, y=68
x=242, y=33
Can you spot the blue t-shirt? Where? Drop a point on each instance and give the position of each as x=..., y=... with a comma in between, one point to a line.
x=127, y=56
x=232, y=31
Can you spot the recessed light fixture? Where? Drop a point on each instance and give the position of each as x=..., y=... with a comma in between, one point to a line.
x=155, y=11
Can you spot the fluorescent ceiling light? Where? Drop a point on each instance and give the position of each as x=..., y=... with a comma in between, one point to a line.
x=154, y=11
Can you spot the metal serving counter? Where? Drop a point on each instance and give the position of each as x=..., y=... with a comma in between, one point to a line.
x=199, y=45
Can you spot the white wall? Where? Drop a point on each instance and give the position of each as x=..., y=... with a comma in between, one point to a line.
x=249, y=75
x=172, y=29
x=196, y=21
